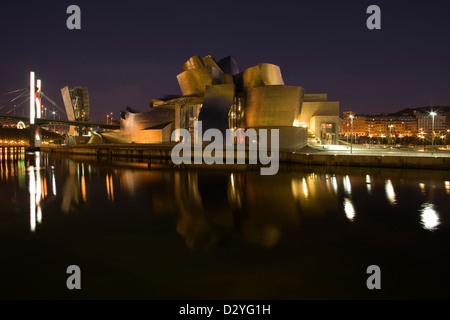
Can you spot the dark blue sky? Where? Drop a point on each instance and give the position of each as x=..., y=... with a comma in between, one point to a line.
x=130, y=52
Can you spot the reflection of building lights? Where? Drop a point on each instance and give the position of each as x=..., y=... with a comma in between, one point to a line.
x=299, y=190
x=429, y=216
x=447, y=187
x=32, y=189
x=349, y=209
x=347, y=185
x=334, y=184
x=83, y=188
x=232, y=181
x=368, y=183
x=38, y=187
x=53, y=181
x=109, y=187
x=422, y=187
x=390, y=192
x=305, y=188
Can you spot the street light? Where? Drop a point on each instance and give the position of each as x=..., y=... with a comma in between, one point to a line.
x=351, y=134
x=432, y=114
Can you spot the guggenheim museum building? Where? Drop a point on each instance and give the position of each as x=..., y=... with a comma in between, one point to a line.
x=222, y=97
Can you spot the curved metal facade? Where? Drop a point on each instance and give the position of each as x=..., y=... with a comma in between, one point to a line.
x=272, y=106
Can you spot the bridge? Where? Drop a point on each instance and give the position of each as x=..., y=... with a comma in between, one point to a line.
x=35, y=120
x=42, y=121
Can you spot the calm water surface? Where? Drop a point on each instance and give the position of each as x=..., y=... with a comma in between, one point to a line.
x=151, y=231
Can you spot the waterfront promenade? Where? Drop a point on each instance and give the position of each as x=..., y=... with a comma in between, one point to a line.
x=328, y=155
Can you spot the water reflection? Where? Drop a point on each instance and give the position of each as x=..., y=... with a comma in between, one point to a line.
x=209, y=206
x=368, y=184
x=422, y=188
x=347, y=185
x=349, y=209
x=429, y=216
x=38, y=188
x=390, y=193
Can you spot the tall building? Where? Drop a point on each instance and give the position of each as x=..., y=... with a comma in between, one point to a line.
x=358, y=127
x=76, y=102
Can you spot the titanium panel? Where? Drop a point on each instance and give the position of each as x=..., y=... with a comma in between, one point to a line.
x=209, y=61
x=192, y=63
x=216, y=106
x=276, y=105
x=263, y=74
x=140, y=121
x=194, y=81
x=228, y=65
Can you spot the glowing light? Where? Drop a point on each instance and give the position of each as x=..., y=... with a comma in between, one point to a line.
x=300, y=124
x=447, y=187
x=349, y=209
x=20, y=125
x=390, y=193
x=429, y=216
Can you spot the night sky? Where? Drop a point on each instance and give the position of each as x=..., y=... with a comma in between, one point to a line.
x=129, y=52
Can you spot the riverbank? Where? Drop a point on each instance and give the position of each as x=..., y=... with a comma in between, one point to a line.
x=305, y=156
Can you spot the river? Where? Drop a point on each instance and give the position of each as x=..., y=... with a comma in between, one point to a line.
x=148, y=230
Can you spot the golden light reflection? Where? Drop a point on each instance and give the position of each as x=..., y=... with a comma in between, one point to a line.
x=110, y=187
x=347, y=185
x=390, y=193
x=299, y=190
x=83, y=188
x=447, y=187
x=334, y=184
x=429, y=216
x=422, y=188
x=305, y=188
x=349, y=209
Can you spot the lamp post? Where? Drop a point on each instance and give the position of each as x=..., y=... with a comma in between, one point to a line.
x=432, y=114
x=351, y=134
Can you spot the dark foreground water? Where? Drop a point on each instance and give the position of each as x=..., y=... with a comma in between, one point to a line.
x=151, y=231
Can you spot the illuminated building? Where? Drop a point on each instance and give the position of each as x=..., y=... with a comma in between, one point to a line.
x=76, y=102
x=425, y=121
x=220, y=96
x=397, y=125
